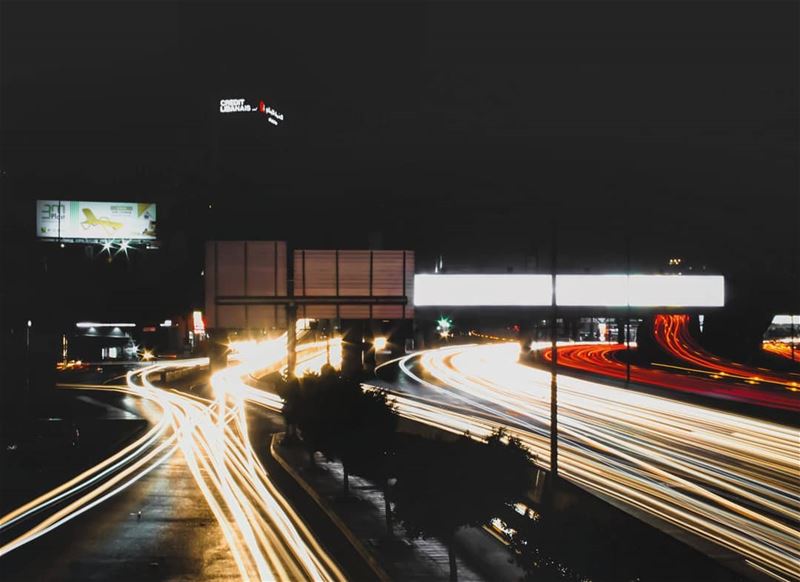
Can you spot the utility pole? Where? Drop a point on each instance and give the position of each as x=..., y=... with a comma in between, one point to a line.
x=28, y=362
x=554, y=360
x=626, y=219
x=291, y=339
x=291, y=315
x=628, y=312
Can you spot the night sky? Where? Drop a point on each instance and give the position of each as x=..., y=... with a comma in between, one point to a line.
x=454, y=128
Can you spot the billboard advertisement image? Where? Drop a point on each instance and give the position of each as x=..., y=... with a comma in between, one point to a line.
x=75, y=220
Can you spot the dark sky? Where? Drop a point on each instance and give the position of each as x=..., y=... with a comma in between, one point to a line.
x=448, y=127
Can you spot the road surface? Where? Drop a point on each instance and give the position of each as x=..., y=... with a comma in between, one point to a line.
x=726, y=478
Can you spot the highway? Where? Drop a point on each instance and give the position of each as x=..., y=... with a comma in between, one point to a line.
x=604, y=360
x=266, y=537
x=728, y=478
x=695, y=372
x=672, y=334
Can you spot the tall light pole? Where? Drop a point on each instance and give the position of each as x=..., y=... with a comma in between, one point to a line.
x=628, y=288
x=628, y=311
x=554, y=360
x=28, y=363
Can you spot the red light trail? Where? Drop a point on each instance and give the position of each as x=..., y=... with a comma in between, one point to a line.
x=721, y=378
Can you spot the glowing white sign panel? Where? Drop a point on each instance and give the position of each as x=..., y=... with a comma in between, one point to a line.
x=786, y=320
x=676, y=291
x=89, y=221
x=91, y=324
x=641, y=290
x=475, y=290
x=608, y=290
x=571, y=290
x=197, y=322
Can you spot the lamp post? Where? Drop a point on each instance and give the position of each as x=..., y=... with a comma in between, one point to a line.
x=28, y=356
x=628, y=310
x=554, y=361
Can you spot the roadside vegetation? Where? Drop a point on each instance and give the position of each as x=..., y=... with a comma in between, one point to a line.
x=433, y=487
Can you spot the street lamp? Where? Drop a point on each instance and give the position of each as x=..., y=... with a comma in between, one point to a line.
x=28, y=359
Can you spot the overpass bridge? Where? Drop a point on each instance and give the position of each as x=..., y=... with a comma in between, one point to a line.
x=252, y=287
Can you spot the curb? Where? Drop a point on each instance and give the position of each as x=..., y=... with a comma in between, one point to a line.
x=325, y=506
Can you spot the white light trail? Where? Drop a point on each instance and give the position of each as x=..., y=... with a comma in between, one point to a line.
x=725, y=477
x=267, y=538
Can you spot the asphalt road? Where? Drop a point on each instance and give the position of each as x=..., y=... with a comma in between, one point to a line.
x=685, y=469
x=161, y=527
x=176, y=537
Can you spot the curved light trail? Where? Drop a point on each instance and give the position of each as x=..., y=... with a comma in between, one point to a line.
x=267, y=538
x=671, y=332
x=90, y=488
x=597, y=358
x=100, y=482
x=783, y=349
x=727, y=478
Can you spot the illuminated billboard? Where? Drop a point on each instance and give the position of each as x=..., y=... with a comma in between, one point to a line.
x=641, y=290
x=80, y=221
x=478, y=290
x=571, y=290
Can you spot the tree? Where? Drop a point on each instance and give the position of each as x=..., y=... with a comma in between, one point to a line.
x=443, y=486
x=306, y=407
x=367, y=447
x=318, y=413
x=288, y=388
x=364, y=428
x=336, y=416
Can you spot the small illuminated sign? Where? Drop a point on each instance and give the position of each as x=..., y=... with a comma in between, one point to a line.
x=240, y=105
x=198, y=323
x=233, y=106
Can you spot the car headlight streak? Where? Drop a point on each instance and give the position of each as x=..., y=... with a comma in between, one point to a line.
x=725, y=477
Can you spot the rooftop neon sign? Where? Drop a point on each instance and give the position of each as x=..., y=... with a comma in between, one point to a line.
x=239, y=105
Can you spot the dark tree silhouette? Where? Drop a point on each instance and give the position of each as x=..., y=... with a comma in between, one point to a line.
x=367, y=447
x=288, y=388
x=365, y=422
x=336, y=416
x=306, y=403
x=442, y=486
x=317, y=411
